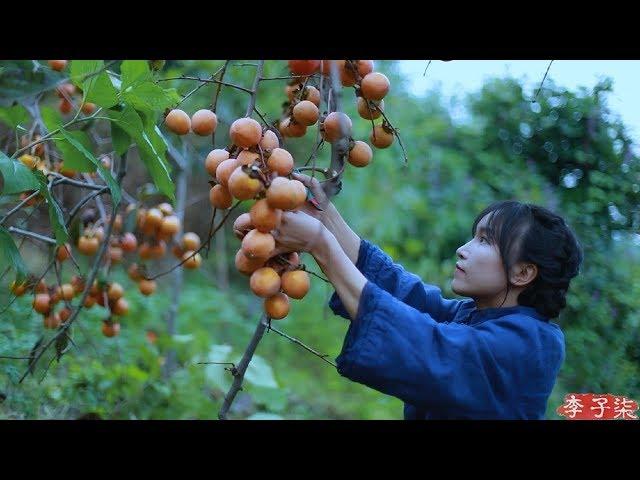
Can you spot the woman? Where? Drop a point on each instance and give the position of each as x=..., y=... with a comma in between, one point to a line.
x=495, y=355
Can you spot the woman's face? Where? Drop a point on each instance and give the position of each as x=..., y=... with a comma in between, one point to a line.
x=483, y=278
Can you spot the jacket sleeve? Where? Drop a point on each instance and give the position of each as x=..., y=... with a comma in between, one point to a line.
x=479, y=371
x=379, y=268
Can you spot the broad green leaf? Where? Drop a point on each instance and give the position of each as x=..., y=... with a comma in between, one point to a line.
x=102, y=171
x=51, y=118
x=134, y=72
x=55, y=214
x=20, y=79
x=121, y=140
x=73, y=157
x=14, y=115
x=148, y=96
x=150, y=146
x=10, y=255
x=97, y=88
x=16, y=176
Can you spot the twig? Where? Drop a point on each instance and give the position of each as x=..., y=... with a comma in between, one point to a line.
x=254, y=90
x=37, y=236
x=206, y=80
x=214, y=104
x=298, y=342
x=425, y=70
x=238, y=374
x=543, y=78
x=290, y=77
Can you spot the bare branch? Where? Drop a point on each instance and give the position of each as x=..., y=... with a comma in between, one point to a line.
x=37, y=236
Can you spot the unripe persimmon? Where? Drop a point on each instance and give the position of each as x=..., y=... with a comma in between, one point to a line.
x=245, y=132
x=264, y=282
x=178, y=122
x=204, y=122
x=256, y=244
x=263, y=217
x=277, y=306
x=220, y=197
x=295, y=283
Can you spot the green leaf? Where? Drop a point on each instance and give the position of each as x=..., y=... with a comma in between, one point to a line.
x=20, y=79
x=134, y=72
x=105, y=174
x=121, y=140
x=73, y=157
x=10, y=255
x=150, y=145
x=51, y=118
x=14, y=116
x=16, y=176
x=55, y=214
x=148, y=96
x=96, y=88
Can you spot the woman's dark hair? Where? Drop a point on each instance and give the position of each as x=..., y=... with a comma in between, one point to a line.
x=525, y=232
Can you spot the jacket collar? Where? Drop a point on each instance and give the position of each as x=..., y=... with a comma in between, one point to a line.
x=475, y=314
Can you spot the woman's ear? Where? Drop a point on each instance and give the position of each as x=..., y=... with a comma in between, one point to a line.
x=523, y=274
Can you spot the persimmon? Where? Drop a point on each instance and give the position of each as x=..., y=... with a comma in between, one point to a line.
x=277, y=306
x=220, y=197
x=41, y=303
x=204, y=122
x=178, y=122
x=306, y=112
x=153, y=219
x=264, y=282
x=336, y=126
x=147, y=287
x=66, y=89
x=293, y=128
x=367, y=108
x=190, y=241
x=144, y=251
x=291, y=91
x=41, y=287
x=242, y=225
x=64, y=106
x=89, y=301
x=242, y=186
x=263, y=217
x=134, y=272
x=64, y=314
x=110, y=328
x=247, y=157
x=256, y=244
x=374, y=86
x=301, y=193
x=78, y=284
x=18, y=289
x=360, y=155
x=63, y=252
x=58, y=65
x=245, y=132
x=115, y=291
x=97, y=232
x=295, y=283
x=304, y=67
x=215, y=158
x=280, y=162
x=293, y=259
x=120, y=307
x=115, y=254
x=225, y=169
x=363, y=67
x=29, y=161
x=170, y=225
x=88, y=245
x=158, y=249
x=166, y=209
x=269, y=141
x=381, y=137
x=192, y=261
x=88, y=108
x=128, y=242
x=246, y=265
x=66, y=291
x=312, y=94
x=52, y=320
x=282, y=194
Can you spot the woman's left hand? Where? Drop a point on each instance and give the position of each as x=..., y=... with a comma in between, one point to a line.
x=298, y=232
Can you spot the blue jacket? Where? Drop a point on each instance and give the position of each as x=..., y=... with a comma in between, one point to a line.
x=445, y=358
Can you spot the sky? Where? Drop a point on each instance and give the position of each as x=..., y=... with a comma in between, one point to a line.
x=462, y=76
